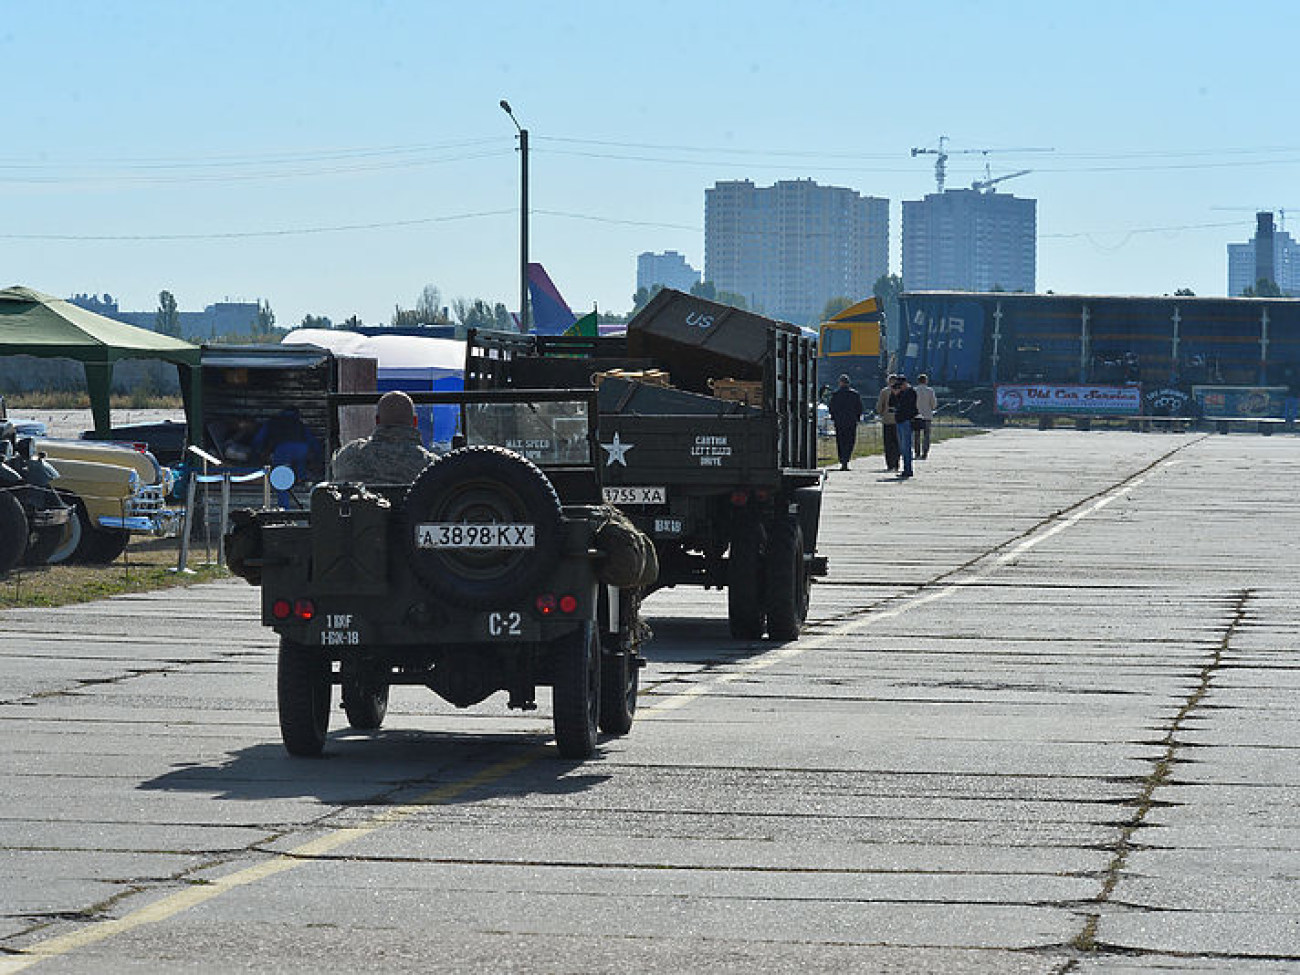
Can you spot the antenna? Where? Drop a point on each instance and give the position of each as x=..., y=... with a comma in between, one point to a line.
x=943, y=152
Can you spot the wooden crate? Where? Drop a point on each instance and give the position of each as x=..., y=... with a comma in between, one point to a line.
x=747, y=391
x=654, y=377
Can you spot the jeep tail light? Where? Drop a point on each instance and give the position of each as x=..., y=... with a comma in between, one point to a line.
x=304, y=609
x=546, y=604
x=739, y=498
x=568, y=605
x=281, y=609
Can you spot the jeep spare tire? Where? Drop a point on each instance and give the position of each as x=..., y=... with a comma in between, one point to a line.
x=481, y=523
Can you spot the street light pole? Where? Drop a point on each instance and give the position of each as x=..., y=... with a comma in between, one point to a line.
x=523, y=218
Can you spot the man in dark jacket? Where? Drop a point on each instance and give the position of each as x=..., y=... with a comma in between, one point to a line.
x=846, y=411
x=904, y=400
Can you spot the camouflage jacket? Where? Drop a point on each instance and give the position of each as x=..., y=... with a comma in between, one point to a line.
x=390, y=455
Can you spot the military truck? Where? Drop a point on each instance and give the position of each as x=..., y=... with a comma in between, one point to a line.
x=499, y=568
x=708, y=434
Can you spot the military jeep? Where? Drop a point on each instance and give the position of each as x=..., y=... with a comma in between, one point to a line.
x=499, y=569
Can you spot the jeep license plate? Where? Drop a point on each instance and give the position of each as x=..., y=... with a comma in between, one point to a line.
x=634, y=494
x=508, y=625
x=463, y=535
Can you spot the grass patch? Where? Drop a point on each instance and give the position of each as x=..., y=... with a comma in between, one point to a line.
x=870, y=444
x=73, y=399
x=146, y=565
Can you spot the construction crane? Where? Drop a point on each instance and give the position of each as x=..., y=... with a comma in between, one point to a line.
x=988, y=182
x=943, y=152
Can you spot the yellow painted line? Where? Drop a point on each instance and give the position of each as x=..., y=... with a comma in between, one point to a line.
x=183, y=900
x=191, y=897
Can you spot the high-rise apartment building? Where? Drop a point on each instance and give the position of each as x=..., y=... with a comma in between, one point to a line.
x=969, y=240
x=791, y=247
x=1247, y=262
x=669, y=269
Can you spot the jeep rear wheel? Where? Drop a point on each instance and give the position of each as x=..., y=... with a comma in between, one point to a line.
x=620, y=670
x=482, y=486
x=619, y=681
x=303, y=693
x=575, y=692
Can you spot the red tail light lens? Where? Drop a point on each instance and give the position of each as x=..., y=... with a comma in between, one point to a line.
x=568, y=604
x=739, y=498
x=546, y=603
x=304, y=609
x=281, y=609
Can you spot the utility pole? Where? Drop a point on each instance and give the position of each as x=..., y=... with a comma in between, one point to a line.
x=523, y=218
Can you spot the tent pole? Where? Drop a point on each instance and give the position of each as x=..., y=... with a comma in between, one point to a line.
x=193, y=377
x=99, y=381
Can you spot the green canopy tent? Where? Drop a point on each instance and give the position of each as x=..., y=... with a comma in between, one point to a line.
x=35, y=324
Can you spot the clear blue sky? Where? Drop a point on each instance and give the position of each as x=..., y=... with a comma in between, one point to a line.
x=214, y=149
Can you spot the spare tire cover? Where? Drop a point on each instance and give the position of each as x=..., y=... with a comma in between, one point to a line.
x=482, y=486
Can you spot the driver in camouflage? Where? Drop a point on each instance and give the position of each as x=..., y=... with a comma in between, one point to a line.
x=393, y=454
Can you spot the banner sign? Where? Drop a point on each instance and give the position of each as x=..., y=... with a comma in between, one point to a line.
x=1255, y=402
x=1013, y=398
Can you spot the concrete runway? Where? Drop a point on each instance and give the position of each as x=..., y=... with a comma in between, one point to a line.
x=1044, y=720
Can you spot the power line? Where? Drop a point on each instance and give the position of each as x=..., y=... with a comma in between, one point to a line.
x=44, y=177
x=240, y=234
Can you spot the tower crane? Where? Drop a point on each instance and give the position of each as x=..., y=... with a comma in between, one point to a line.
x=989, y=182
x=943, y=152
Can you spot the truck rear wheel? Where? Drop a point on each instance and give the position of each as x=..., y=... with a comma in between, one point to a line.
x=788, y=581
x=745, y=612
x=482, y=486
x=302, y=689
x=13, y=532
x=575, y=692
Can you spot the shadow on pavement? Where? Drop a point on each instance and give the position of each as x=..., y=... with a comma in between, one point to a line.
x=389, y=767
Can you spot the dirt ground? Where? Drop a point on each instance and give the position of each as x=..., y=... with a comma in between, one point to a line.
x=69, y=423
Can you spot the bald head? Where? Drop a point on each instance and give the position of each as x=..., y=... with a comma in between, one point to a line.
x=395, y=409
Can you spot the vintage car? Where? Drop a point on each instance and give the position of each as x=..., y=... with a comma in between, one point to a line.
x=114, y=491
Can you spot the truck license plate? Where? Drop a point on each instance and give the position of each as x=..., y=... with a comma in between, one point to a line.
x=463, y=535
x=635, y=494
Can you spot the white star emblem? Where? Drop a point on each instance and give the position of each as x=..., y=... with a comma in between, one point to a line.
x=617, y=451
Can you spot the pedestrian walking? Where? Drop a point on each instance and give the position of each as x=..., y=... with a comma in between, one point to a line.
x=888, y=426
x=926, y=403
x=904, y=413
x=846, y=411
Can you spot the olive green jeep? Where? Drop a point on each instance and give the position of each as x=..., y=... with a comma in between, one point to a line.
x=499, y=569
